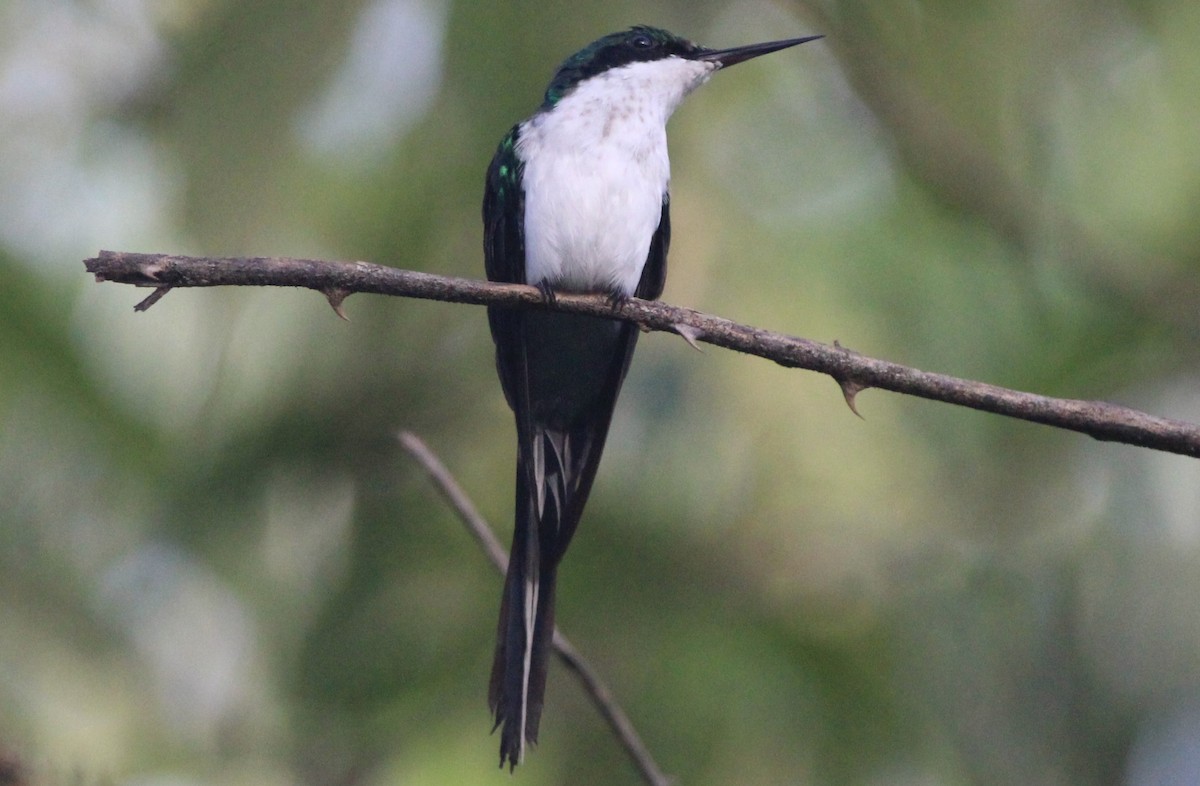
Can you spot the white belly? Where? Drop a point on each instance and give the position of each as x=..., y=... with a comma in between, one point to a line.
x=590, y=215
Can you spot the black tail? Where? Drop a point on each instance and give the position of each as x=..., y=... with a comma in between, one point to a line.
x=517, y=688
x=562, y=412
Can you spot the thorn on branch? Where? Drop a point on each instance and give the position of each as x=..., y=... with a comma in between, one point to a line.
x=850, y=389
x=336, y=296
x=690, y=333
x=152, y=298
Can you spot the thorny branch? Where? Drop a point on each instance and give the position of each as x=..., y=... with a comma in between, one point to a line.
x=596, y=689
x=854, y=372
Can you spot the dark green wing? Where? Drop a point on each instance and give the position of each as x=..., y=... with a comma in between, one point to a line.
x=504, y=259
x=503, y=211
x=654, y=275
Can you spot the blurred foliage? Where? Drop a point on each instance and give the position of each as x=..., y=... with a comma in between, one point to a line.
x=218, y=567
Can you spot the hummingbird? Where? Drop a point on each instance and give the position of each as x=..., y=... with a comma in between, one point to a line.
x=576, y=200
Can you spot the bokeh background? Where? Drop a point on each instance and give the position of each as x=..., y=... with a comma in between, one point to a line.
x=217, y=566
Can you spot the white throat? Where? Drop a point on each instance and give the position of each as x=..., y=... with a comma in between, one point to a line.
x=596, y=174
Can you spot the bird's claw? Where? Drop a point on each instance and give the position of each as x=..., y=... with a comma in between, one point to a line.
x=616, y=299
x=547, y=292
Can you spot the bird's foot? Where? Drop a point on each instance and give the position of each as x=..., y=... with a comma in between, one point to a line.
x=547, y=291
x=617, y=298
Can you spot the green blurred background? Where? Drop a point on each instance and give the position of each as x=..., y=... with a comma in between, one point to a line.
x=218, y=567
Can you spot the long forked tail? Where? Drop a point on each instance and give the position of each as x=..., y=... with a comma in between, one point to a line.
x=555, y=470
x=553, y=480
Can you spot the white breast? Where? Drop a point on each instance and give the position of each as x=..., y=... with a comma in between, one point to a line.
x=596, y=172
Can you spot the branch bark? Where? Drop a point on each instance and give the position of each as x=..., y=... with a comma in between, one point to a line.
x=599, y=693
x=854, y=372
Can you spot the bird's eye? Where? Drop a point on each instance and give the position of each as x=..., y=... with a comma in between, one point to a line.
x=642, y=42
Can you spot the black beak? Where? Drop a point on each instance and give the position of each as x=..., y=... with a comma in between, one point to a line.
x=727, y=57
